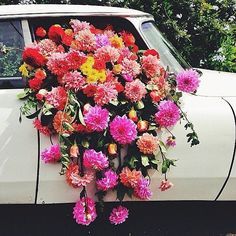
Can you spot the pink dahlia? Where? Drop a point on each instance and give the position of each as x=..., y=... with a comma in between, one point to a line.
x=168, y=114
x=57, y=97
x=97, y=118
x=123, y=130
x=147, y=143
x=118, y=215
x=85, y=211
x=51, y=154
x=188, y=81
x=73, y=80
x=78, y=25
x=135, y=90
x=165, y=185
x=107, y=54
x=105, y=93
x=109, y=181
x=96, y=160
x=47, y=47
x=150, y=65
x=130, y=68
x=74, y=177
x=86, y=40
x=42, y=129
x=141, y=190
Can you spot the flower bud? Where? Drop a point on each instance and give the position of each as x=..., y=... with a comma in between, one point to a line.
x=142, y=126
x=86, y=108
x=74, y=150
x=112, y=149
x=133, y=115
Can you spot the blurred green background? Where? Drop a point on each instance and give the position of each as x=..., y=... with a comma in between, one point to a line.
x=204, y=32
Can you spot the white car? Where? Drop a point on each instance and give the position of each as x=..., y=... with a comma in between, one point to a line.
x=204, y=172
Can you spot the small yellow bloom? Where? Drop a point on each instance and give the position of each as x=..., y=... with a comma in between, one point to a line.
x=68, y=31
x=92, y=76
x=116, y=41
x=90, y=60
x=117, y=69
x=101, y=75
x=23, y=69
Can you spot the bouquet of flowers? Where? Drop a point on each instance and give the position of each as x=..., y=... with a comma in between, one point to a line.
x=101, y=95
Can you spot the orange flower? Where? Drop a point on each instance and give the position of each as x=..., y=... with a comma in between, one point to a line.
x=74, y=150
x=130, y=178
x=112, y=149
x=147, y=143
x=61, y=118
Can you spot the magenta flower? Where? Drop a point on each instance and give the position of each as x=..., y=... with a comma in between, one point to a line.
x=108, y=182
x=118, y=215
x=170, y=141
x=97, y=118
x=84, y=211
x=141, y=190
x=96, y=160
x=123, y=130
x=51, y=154
x=135, y=90
x=168, y=114
x=188, y=81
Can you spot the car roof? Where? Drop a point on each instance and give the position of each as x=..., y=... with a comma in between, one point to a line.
x=65, y=9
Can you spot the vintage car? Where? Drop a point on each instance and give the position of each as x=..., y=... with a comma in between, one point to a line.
x=204, y=172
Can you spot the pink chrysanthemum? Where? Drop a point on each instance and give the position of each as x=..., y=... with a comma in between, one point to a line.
x=168, y=114
x=118, y=215
x=107, y=54
x=188, y=81
x=51, y=154
x=105, y=93
x=150, y=65
x=74, y=177
x=97, y=118
x=86, y=40
x=42, y=129
x=109, y=181
x=73, y=80
x=147, y=143
x=141, y=190
x=78, y=25
x=85, y=211
x=130, y=68
x=47, y=47
x=57, y=97
x=135, y=90
x=123, y=130
x=165, y=185
x=171, y=141
x=96, y=160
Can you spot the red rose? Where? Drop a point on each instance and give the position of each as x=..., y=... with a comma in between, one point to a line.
x=33, y=57
x=56, y=33
x=152, y=52
x=40, y=32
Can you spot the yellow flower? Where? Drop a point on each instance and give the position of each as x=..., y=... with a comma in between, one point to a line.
x=90, y=60
x=116, y=41
x=86, y=68
x=101, y=75
x=23, y=69
x=92, y=76
x=117, y=69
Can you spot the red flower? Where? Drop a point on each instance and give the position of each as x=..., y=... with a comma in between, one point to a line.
x=90, y=90
x=134, y=48
x=35, y=83
x=40, y=74
x=42, y=129
x=152, y=52
x=75, y=60
x=119, y=87
x=40, y=32
x=33, y=57
x=56, y=33
x=128, y=38
x=67, y=39
x=99, y=64
x=79, y=128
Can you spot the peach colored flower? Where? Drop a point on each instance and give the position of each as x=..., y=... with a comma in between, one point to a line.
x=147, y=143
x=130, y=178
x=59, y=119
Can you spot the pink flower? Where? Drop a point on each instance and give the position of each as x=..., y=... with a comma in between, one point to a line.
x=188, y=81
x=47, y=47
x=42, y=129
x=51, y=154
x=73, y=80
x=130, y=68
x=96, y=160
x=135, y=90
x=150, y=65
x=168, y=114
x=147, y=143
x=123, y=130
x=165, y=185
x=141, y=190
x=57, y=97
x=78, y=25
x=107, y=54
x=118, y=215
x=97, y=118
x=86, y=40
x=84, y=211
x=105, y=93
x=171, y=141
x=108, y=182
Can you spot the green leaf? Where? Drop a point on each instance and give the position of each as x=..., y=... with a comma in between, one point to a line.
x=162, y=146
x=23, y=94
x=132, y=162
x=145, y=160
x=81, y=117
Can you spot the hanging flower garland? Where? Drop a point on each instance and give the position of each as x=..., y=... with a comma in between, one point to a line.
x=101, y=95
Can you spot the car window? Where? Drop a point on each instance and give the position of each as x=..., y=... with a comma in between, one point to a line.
x=168, y=54
x=11, y=45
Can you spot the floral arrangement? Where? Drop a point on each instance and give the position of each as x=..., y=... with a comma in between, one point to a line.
x=107, y=101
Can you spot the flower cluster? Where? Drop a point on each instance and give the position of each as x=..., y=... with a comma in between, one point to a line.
x=101, y=95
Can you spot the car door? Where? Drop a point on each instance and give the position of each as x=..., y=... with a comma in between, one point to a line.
x=18, y=141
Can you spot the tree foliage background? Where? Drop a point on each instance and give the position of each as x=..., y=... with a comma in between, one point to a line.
x=203, y=31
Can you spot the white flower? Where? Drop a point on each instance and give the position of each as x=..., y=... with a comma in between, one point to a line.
x=216, y=8
x=179, y=15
